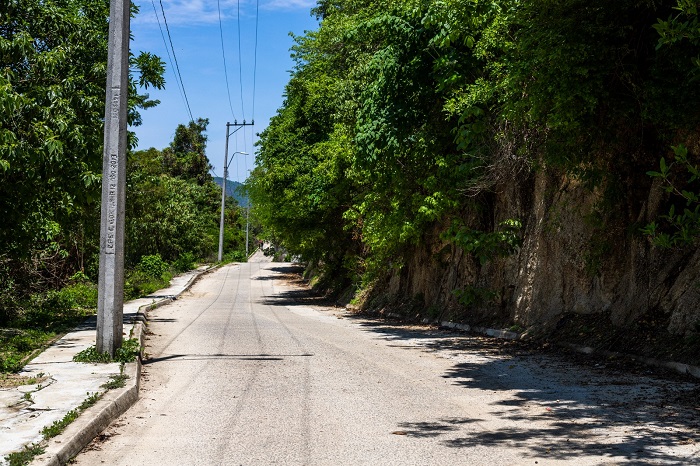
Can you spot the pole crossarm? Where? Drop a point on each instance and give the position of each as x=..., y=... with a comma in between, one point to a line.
x=237, y=126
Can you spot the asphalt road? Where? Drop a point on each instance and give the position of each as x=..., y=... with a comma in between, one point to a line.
x=246, y=369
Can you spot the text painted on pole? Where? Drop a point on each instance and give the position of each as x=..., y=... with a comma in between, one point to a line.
x=112, y=203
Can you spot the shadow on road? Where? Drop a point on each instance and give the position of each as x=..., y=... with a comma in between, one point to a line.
x=552, y=404
x=294, y=298
x=556, y=406
x=238, y=357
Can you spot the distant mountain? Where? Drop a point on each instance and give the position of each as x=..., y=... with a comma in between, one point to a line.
x=233, y=189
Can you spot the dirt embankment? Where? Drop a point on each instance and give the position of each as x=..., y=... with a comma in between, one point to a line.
x=584, y=272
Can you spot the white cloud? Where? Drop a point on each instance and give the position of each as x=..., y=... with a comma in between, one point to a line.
x=182, y=12
x=287, y=4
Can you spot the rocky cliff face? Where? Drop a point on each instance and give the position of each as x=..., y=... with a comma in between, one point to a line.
x=581, y=254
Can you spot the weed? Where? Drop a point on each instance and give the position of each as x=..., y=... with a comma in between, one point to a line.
x=117, y=381
x=516, y=328
x=92, y=355
x=474, y=295
x=139, y=284
x=28, y=397
x=127, y=353
x=59, y=426
x=89, y=401
x=40, y=319
x=25, y=456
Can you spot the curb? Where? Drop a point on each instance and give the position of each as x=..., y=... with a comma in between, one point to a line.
x=91, y=422
x=492, y=332
x=681, y=368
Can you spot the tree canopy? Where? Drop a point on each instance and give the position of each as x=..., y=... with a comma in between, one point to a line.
x=399, y=115
x=52, y=80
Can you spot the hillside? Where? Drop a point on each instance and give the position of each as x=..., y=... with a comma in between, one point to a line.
x=234, y=190
x=513, y=163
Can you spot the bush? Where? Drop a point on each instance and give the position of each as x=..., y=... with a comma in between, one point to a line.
x=138, y=284
x=152, y=266
x=151, y=274
x=235, y=256
x=184, y=263
x=81, y=295
x=8, y=295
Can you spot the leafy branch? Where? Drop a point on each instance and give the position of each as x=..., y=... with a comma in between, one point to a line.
x=684, y=224
x=486, y=245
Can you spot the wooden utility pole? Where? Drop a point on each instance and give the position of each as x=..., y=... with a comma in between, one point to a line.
x=110, y=304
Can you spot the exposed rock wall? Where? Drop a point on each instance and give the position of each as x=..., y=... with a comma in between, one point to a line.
x=578, y=255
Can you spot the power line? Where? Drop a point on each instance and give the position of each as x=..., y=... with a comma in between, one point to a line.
x=223, y=53
x=255, y=55
x=167, y=50
x=177, y=67
x=255, y=72
x=240, y=58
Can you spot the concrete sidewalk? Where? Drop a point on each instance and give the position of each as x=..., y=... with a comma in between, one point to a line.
x=61, y=385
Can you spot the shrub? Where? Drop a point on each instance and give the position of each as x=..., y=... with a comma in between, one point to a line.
x=152, y=266
x=184, y=263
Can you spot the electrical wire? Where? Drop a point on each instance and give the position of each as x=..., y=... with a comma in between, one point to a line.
x=240, y=58
x=167, y=50
x=255, y=79
x=255, y=55
x=177, y=67
x=223, y=53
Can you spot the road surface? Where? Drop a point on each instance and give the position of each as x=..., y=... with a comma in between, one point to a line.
x=246, y=369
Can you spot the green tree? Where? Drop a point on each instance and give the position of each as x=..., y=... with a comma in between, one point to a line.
x=186, y=156
x=403, y=116
x=52, y=100
x=173, y=202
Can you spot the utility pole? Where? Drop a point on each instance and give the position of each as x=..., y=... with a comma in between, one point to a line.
x=110, y=305
x=247, y=223
x=236, y=127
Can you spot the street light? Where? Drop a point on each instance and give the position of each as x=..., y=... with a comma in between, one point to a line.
x=223, y=195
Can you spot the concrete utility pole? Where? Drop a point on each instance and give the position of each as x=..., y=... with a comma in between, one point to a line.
x=111, y=280
x=223, y=185
x=247, y=223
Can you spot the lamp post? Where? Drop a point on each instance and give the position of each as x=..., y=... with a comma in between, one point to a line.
x=223, y=195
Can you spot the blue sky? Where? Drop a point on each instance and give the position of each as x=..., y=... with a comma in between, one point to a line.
x=196, y=37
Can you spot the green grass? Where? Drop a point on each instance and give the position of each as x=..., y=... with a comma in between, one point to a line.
x=42, y=318
x=59, y=426
x=25, y=456
x=127, y=353
x=117, y=381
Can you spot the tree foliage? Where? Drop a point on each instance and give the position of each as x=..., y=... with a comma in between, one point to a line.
x=53, y=57
x=401, y=115
x=173, y=203
x=52, y=78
